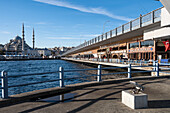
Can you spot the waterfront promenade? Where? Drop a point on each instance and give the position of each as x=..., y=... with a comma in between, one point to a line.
x=108, y=63
x=102, y=98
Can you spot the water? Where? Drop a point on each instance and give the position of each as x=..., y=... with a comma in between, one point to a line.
x=59, y=98
x=39, y=66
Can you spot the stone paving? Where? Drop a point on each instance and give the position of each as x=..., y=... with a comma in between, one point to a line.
x=102, y=99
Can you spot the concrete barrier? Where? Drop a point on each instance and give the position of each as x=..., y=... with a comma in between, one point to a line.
x=134, y=101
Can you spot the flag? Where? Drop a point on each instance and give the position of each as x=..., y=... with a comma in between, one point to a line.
x=166, y=43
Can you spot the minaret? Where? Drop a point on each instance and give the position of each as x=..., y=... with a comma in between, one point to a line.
x=23, y=42
x=33, y=39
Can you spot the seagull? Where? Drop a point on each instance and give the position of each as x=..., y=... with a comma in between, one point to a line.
x=137, y=87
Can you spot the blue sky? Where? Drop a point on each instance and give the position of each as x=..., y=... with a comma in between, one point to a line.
x=66, y=22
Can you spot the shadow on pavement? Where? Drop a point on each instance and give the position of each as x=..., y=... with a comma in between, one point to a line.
x=90, y=101
x=159, y=104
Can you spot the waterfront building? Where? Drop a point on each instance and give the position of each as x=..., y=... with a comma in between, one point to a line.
x=145, y=38
x=17, y=48
x=43, y=52
x=1, y=47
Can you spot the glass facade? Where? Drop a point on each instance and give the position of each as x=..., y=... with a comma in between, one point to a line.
x=134, y=45
x=147, y=43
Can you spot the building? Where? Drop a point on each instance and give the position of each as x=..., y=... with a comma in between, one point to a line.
x=1, y=47
x=14, y=47
x=43, y=52
x=17, y=48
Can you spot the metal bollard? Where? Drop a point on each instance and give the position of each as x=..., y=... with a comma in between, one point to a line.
x=157, y=69
x=155, y=65
x=4, y=80
x=140, y=63
x=129, y=71
x=99, y=78
x=61, y=75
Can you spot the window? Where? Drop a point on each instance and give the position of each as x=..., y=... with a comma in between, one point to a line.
x=115, y=48
x=134, y=45
x=147, y=43
x=122, y=47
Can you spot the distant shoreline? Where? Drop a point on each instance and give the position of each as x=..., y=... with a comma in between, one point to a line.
x=30, y=59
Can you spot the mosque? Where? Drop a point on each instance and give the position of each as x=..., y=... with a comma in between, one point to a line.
x=18, y=48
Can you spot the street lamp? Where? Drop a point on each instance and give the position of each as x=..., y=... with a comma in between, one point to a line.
x=104, y=25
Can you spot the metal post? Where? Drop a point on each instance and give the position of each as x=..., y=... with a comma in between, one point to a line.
x=122, y=29
x=116, y=31
x=99, y=78
x=154, y=64
x=4, y=81
x=157, y=69
x=153, y=16
x=61, y=75
x=130, y=25
x=129, y=71
x=110, y=33
x=140, y=20
x=140, y=63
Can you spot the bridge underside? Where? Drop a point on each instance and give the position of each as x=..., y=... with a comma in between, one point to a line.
x=166, y=3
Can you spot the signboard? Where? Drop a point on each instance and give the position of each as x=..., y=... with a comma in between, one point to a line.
x=144, y=49
x=122, y=51
x=88, y=52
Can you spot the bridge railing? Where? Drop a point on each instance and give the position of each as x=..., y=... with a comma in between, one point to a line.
x=118, y=61
x=5, y=86
x=143, y=20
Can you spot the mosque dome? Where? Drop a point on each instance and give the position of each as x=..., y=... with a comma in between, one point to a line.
x=17, y=38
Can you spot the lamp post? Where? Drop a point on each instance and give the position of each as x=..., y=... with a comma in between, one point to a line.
x=104, y=29
x=104, y=25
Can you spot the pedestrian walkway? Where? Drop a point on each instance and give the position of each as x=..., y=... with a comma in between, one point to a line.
x=101, y=99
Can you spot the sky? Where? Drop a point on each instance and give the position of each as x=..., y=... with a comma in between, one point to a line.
x=67, y=22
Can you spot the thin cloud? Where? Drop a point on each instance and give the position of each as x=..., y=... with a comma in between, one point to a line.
x=5, y=32
x=41, y=23
x=100, y=11
x=86, y=36
x=64, y=38
x=28, y=26
x=90, y=35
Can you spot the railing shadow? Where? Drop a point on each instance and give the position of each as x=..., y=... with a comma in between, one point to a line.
x=90, y=101
x=159, y=104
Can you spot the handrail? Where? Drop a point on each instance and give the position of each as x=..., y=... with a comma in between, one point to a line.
x=62, y=78
x=80, y=77
x=33, y=83
x=72, y=70
x=114, y=67
x=32, y=74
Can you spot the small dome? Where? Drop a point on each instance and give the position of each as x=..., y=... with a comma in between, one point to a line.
x=17, y=38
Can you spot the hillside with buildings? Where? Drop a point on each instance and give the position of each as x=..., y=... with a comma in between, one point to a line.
x=17, y=48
